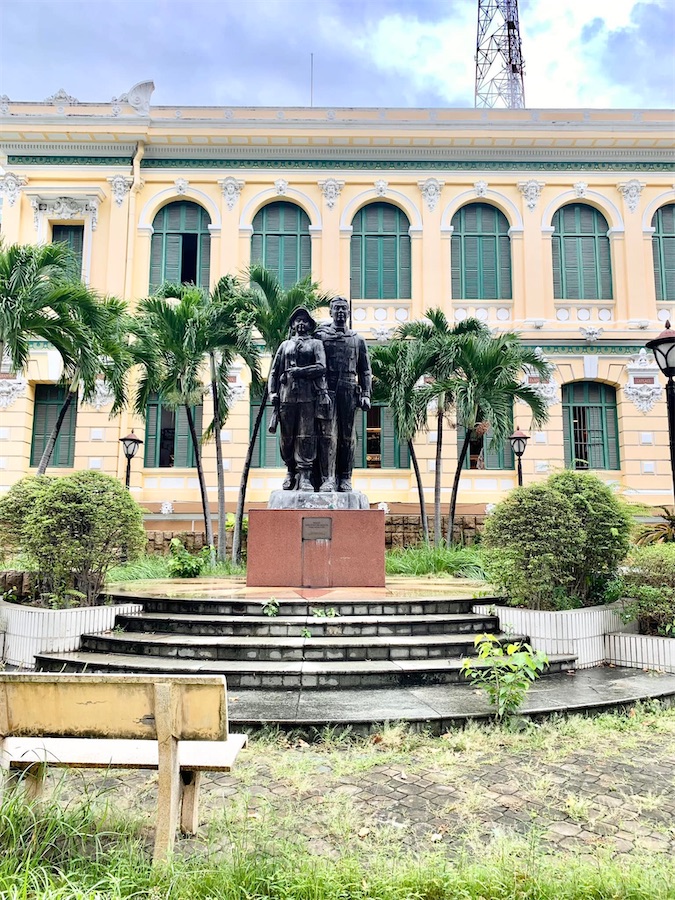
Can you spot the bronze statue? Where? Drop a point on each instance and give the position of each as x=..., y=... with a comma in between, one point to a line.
x=297, y=389
x=349, y=380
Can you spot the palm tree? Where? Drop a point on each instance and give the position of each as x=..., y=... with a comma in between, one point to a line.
x=483, y=384
x=269, y=310
x=398, y=367
x=37, y=285
x=226, y=335
x=437, y=339
x=101, y=353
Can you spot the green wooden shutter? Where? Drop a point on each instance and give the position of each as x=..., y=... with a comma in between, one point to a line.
x=589, y=270
x=73, y=236
x=456, y=266
x=355, y=283
x=571, y=267
x=171, y=267
x=204, y=270
x=255, y=457
x=156, y=261
x=404, y=268
x=151, y=435
x=557, y=267
x=663, y=252
x=290, y=260
x=388, y=441
x=371, y=286
x=388, y=289
x=256, y=249
x=305, y=255
x=604, y=268
x=472, y=287
x=182, y=447
x=488, y=260
x=505, y=290
x=272, y=254
x=612, y=431
x=48, y=402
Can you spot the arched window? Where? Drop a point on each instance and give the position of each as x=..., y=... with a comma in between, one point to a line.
x=581, y=260
x=281, y=242
x=380, y=253
x=181, y=245
x=663, y=248
x=590, y=426
x=481, y=254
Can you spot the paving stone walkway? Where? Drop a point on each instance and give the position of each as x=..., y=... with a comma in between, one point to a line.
x=611, y=790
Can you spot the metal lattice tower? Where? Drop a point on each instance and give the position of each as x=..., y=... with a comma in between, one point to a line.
x=499, y=58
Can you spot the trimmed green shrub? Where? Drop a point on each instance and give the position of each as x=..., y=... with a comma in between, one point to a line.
x=15, y=505
x=649, y=583
x=559, y=544
x=77, y=528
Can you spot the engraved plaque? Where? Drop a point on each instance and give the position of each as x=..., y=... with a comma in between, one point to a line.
x=317, y=528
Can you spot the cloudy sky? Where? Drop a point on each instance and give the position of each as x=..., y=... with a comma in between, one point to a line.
x=579, y=53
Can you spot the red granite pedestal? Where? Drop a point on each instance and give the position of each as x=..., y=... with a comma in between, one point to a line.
x=315, y=548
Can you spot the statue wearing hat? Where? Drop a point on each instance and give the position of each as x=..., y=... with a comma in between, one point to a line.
x=297, y=388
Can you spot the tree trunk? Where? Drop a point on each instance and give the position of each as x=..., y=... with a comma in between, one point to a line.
x=438, y=525
x=420, y=492
x=217, y=426
x=208, y=526
x=51, y=443
x=239, y=519
x=455, y=484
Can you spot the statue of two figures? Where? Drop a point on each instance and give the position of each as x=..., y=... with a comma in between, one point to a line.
x=319, y=377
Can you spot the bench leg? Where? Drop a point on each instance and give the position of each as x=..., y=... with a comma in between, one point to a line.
x=34, y=777
x=168, y=771
x=189, y=817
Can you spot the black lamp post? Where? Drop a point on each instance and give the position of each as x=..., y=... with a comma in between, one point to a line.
x=518, y=444
x=131, y=443
x=663, y=348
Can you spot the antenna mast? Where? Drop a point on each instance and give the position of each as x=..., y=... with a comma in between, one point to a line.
x=499, y=58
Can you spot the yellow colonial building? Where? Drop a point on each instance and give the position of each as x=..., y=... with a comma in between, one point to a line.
x=559, y=224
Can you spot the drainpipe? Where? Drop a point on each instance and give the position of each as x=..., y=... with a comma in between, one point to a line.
x=131, y=222
x=129, y=262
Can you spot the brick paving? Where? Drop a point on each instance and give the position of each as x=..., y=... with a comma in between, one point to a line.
x=613, y=796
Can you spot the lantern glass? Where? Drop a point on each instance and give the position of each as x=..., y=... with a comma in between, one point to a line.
x=131, y=443
x=519, y=442
x=664, y=353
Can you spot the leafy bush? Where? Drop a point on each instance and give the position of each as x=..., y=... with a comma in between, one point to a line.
x=77, y=528
x=507, y=672
x=649, y=582
x=15, y=506
x=462, y=562
x=557, y=545
x=183, y=564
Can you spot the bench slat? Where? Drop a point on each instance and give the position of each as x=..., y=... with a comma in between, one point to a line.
x=194, y=756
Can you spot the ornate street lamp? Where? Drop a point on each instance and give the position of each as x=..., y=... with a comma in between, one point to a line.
x=518, y=444
x=131, y=443
x=663, y=348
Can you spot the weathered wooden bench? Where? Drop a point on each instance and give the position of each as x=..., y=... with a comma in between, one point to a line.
x=176, y=724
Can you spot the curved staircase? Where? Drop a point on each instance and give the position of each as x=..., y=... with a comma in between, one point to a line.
x=328, y=643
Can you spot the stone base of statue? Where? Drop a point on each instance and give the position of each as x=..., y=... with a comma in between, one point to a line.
x=314, y=540
x=317, y=500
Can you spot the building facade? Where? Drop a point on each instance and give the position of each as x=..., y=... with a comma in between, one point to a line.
x=558, y=224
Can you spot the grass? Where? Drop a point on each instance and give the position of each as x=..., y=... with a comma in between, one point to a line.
x=303, y=838
x=83, y=853
x=157, y=567
x=460, y=562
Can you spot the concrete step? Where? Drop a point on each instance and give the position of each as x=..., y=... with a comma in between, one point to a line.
x=277, y=649
x=432, y=604
x=318, y=626
x=291, y=675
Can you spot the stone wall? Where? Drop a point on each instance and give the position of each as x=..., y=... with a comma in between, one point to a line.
x=399, y=531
